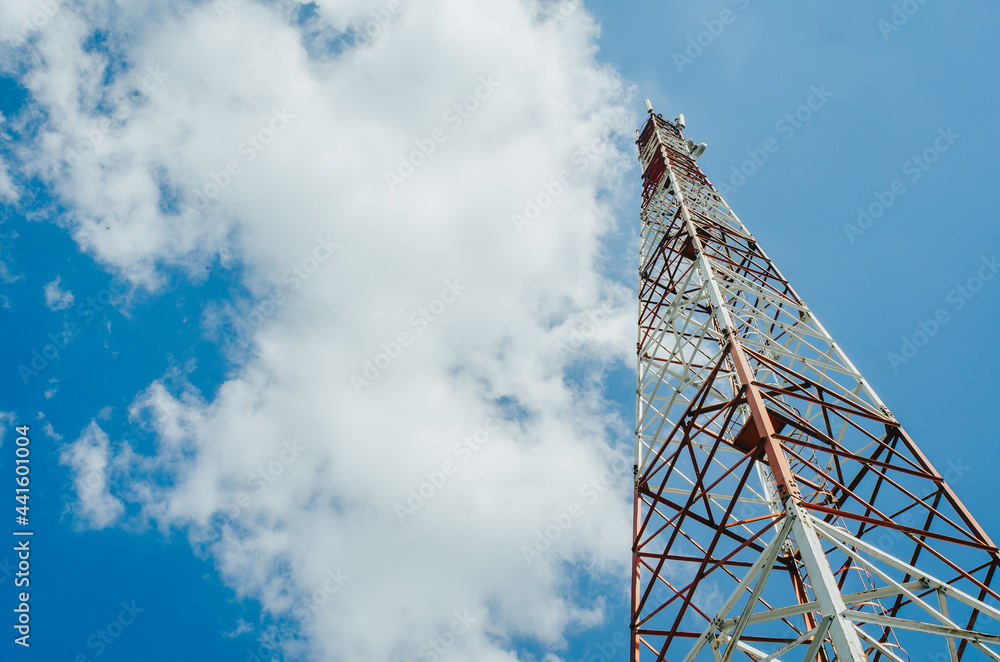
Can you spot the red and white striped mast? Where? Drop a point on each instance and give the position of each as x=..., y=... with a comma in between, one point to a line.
x=781, y=511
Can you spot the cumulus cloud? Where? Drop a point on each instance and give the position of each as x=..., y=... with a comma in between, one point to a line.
x=88, y=459
x=19, y=19
x=6, y=420
x=415, y=430
x=6, y=273
x=8, y=191
x=57, y=298
x=242, y=627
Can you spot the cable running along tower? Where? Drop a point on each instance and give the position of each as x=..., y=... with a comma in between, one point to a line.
x=781, y=511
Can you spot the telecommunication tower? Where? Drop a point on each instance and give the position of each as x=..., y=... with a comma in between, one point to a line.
x=781, y=511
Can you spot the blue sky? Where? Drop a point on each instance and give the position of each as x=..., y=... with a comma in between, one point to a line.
x=198, y=360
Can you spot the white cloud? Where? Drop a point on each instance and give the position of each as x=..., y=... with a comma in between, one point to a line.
x=6, y=275
x=88, y=459
x=6, y=420
x=21, y=18
x=57, y=298
x=7, y=189
x=321, y=468
x=50, y=432
x=242, y=627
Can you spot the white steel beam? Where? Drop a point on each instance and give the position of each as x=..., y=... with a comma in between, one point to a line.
x=845, y=638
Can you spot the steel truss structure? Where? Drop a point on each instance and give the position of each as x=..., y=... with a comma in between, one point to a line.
x=781, y=511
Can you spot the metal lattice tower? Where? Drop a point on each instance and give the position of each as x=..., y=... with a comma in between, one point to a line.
x=781, y=511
